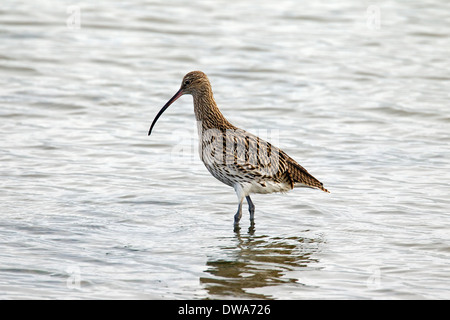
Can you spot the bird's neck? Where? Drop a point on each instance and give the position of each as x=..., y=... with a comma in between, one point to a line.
x=207, y=113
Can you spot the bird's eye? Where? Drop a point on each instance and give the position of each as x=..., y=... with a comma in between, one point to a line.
x=187, y=82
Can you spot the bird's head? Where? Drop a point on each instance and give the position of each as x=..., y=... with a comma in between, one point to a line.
x=193, y=83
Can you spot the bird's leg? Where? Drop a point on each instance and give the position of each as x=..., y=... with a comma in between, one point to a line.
x=251, y=208
x=238, y=214
x=240, y=194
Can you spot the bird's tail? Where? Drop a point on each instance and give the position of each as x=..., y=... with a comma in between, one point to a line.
x=301, y=177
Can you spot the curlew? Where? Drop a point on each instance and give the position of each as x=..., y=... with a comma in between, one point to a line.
x=234, y=156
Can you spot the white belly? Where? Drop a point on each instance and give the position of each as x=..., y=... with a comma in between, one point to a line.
x=265, y=187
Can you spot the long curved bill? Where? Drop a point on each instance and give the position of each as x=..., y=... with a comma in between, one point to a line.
x=175, y=97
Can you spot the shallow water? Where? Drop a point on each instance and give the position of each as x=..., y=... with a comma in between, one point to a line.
x=91, y=207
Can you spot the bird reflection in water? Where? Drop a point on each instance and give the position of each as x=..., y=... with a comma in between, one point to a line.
x=258, y=262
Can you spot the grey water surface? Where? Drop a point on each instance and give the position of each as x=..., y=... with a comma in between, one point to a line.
x=92, y=208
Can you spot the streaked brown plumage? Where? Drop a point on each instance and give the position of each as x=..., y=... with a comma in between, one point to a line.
x=234, y=156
